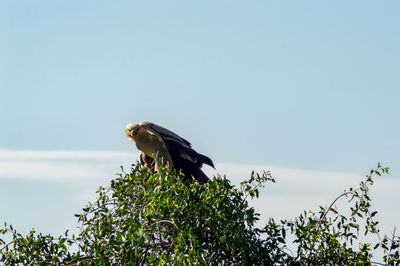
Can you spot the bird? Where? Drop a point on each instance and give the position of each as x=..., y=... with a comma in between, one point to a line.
x=162, y=148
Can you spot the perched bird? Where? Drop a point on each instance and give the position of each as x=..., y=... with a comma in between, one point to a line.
x=162, y=147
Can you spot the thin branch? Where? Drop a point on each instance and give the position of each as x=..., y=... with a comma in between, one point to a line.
x=165, y=221
x=145, y=256
x=93, y=209
x=330, y=207
x=376, y=231
x=377, y=263
x=391, y=244
x=76, y=259
x=7, y=245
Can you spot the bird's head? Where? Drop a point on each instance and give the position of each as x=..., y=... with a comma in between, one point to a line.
x=131, y=130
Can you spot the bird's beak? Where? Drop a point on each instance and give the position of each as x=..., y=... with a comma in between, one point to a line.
x=133, y=132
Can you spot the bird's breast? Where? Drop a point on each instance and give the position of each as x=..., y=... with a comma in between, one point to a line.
x=147, y=143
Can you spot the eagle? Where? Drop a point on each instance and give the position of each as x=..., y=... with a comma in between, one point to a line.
x=162, y=148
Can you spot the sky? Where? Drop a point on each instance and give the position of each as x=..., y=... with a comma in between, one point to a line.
x=308, y=90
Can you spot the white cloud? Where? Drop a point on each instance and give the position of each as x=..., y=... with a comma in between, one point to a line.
x=6, y=154
x=64, y=166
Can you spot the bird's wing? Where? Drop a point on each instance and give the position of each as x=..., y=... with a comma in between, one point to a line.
x=174, y=142
x=166, y=134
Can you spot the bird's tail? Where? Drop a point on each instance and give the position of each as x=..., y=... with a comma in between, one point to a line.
x=204, y=159
x=200, y=176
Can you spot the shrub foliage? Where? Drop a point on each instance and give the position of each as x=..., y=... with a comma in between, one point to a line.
x=149, y=218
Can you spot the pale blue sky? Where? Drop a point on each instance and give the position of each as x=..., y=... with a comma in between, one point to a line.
x=301, y=84
x=306, y=85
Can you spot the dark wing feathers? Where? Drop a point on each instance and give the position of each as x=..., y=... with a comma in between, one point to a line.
x=188, y=154
x=181, y=152
x=199, y=175
x=204, y=159
x=166, y=134
x=190, y=163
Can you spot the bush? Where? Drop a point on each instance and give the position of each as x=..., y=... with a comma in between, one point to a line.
x=146, y=218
